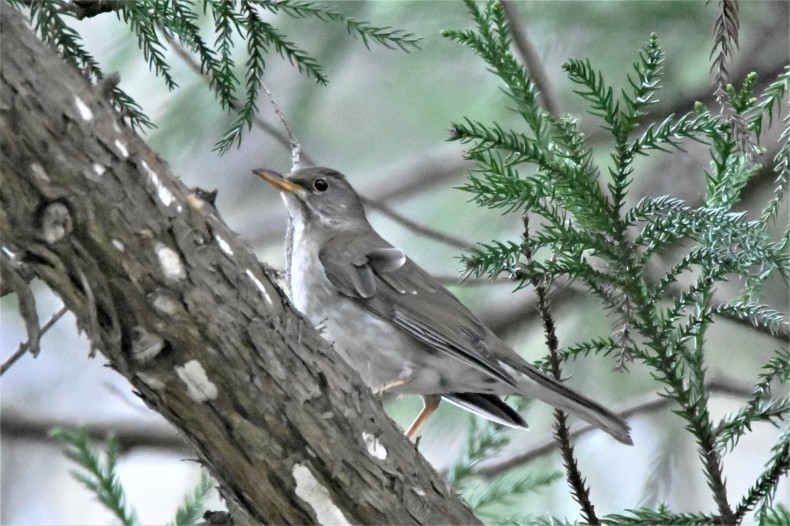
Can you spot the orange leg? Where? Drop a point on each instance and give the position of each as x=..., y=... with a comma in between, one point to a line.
x=430, y=403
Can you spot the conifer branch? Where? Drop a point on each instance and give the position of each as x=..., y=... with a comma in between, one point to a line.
x=157, y=23
x=189, y=512
x=384, y=36
x=608, y=249
x=47, y=17
x=726, y=30
x=100, y=477
x=764, y=488
x=579, y=489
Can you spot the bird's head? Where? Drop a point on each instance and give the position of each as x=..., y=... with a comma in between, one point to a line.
x=318, y=197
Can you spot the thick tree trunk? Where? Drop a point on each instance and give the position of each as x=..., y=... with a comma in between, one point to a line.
x=180, y=307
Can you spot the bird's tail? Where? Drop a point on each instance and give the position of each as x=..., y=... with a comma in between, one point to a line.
x=555, y=393
x=488, y=406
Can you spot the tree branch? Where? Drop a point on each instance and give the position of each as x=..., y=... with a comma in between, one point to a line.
x=257, y=121
x=179, y=306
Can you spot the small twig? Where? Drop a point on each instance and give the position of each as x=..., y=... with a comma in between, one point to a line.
x=106, y=86
x=130, y=433
x=579, y=489
x=296, y=148
x=449, y=279
x=415, y=227
x=401, y=180
x=503, y=318
x=530, y=57
x=24, y=346
x=394, y=182
x=652, y=403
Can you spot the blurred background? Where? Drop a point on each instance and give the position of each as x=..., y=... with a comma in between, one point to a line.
x=383, y=121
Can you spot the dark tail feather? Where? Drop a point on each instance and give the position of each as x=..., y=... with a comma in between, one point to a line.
x=489, y=406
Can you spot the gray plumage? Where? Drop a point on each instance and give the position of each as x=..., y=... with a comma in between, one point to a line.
x=396, y=325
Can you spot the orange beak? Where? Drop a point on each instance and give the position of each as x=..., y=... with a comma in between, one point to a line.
x=278, y=181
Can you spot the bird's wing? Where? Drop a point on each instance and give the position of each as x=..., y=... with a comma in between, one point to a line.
x=388, y=284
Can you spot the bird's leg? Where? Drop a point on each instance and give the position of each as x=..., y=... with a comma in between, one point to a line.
x=430, y=403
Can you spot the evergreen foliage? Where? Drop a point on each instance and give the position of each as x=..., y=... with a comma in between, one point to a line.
x=589, y=235
x=487, y=500
x=100, y=477
x=190, y=511
x=157, y=23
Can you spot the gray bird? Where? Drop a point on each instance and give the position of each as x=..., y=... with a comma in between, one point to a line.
x=398, y=327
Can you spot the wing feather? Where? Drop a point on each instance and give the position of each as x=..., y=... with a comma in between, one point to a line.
x=391, y=286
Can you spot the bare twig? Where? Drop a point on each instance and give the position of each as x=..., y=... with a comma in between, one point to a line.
x=503, y=317
x=425, y=170
x=296, y=148
x=578, y=486
x=449, y=279
x=415, y=227
x=393, y=182
x=23, y=347
x=527, y=51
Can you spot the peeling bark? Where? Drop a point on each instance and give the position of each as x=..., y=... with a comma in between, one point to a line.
x=180, y=306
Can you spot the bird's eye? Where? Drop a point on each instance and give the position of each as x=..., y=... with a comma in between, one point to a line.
x=320, y=185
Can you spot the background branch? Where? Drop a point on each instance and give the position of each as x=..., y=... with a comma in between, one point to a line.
x=526, y=51
x=17, y=425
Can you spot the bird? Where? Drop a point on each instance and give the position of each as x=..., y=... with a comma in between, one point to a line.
x=398, y=327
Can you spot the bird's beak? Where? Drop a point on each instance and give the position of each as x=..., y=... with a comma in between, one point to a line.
x=278, y=181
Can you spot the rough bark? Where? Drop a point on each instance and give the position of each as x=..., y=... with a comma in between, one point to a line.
x=179, y=306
